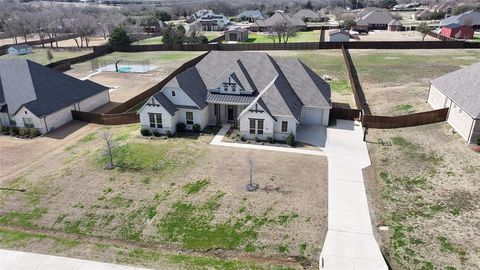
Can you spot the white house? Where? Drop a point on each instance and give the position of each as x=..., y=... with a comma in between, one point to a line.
x=19, y=49
x=34, y=96
x=339, y=35
x=261, y=95
x=460, y=92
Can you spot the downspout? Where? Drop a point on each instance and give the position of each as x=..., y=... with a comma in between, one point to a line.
x=470, y=134
x=45, y=121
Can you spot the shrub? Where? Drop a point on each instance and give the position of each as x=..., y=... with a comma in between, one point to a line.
x=181, y=127
x=14, y=130
x=169, y=133
x=290, y=139
x=478, y=141
x=269, y=140
x=5, y=130
x=22, y=132
x=156, y=133
x=197, y=128
x=243, y=139
x=34, y=132
x=145, y=132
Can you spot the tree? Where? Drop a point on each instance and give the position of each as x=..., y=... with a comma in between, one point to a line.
x=349, y=23
x=109, y=148
x=49, y=55
x=282, y=31
x=174, y=35
x=388, y=4
x=251, y=186
x=162, y=15
x=119, y=37
x=147, y=22
x=423, y=28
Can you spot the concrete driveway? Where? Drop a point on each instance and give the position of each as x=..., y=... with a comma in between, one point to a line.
x=311, y=134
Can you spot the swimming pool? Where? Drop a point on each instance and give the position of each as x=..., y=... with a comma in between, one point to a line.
x=124, y=69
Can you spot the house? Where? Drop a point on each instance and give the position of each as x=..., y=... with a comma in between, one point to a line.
x=457, y=31
x=34, y=96
x=250, y=16
x=339, y=35
x=279, y=17
x=237, y=34
x=213, y=22
x=469, y=18
x=460, y=92
x=373, y=19
x=197, y=15
x=19, y=49
x=444, y=8
x=308, y=15
x=157, y=27
x=394, y=26
x=264, y=97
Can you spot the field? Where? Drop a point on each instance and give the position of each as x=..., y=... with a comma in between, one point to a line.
x=173, y=203
x=396, y=82
x=39, y=55
x=382, y=35
x=128, y=85
x=424, y=180
x=309, y=36
x=158, y=40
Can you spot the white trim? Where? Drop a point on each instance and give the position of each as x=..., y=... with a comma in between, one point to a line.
x=257, y=98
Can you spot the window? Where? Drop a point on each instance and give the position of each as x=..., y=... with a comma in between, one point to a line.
x=28, y=122
x=189, y=118
x=234, y=87
x=173, y=93
x=11, y=119
x=260, y=127
x=252, y=126
x=284, y=126
x=155, y=120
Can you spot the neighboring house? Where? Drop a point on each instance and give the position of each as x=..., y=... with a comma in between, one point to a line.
x=422, y=14
x=308, y=15
x=213, y=22
x=339, y=35
x=19, y=49
x=460, y=92
x=373, y=19
x=250, y=16
x=264, y=97
x=444, y=8
x=197, y=15
x=279, y=17
x=237, y=34
x=469, y=18
x=157, y=27
x=406, y=6
x=395, y=25
x=457, y=31
x=34, y=96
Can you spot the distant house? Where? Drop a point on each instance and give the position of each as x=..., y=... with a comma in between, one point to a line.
x=237, y=34
x=19, y=49
x=157, y=27
x=457, y=31
x=280, y=17
x=395, y=25
x=373, y=19
x=213, y=22
x=459, y=91
x=339, y=35
x=444, y=8
x=197, y=15
x=34, y=96
x=469, y=18
x=265, y=97
x=308, y=15
x=250, y=16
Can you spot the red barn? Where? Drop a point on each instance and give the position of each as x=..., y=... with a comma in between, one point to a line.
x=457, y=31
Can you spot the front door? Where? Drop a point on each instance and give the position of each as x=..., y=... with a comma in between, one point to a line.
x=230, y=113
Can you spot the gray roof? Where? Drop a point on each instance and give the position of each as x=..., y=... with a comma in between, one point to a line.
x=40, y=89
x=295, y=86
x=374, y=16
x=395, y=23
x=20, y=46
x=257, y=14
x=468, y=18
x=280, y=17
x=463, y=88
x=306, y=14
x=230, y=99
x=165, y=102
x=339, y=31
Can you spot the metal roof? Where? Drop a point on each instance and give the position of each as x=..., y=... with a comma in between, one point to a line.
x=229, y=99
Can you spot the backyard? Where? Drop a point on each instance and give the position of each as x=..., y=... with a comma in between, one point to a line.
x=158, y=40
x=307, y=36
x=396, y=82
x=39, y=55
x=170, y=203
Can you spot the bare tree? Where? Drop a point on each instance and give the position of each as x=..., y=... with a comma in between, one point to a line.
x=423, y=29
x=283, y=31
x=251, y=186
x=109, y=148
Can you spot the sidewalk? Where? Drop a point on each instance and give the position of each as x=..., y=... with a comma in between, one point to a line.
x=217, y=140
x=350, y=243
x=17, y=260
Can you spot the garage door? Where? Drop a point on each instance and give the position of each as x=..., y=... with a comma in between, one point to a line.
x=311, y=116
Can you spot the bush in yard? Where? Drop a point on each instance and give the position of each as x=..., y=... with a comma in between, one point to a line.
x=5, y=130
x=478, y=141
x=269, y=140
x=22, y=132
x=14, y=130
x=169, y=133
x=196, y=128
x=34, y=132
x=145, y=132
x=290, y=139
x=156, y=133
x=181, y=127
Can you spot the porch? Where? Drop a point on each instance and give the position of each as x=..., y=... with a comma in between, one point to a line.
x=225, y=113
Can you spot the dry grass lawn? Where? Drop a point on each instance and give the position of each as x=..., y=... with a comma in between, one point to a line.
x=166, y=195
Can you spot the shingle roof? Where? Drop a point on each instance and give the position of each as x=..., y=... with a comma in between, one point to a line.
x=280, y=17
x=40, y=89
x=257, y=14
x=463, y=87
x=395, y=23
x=374, y=16
x=306, y=14
x=165, y=102
x=295, y=86
x=468, y=18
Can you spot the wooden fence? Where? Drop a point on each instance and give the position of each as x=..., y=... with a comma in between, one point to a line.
x=3, y=48
x=345, y=114
x=63, y=65
x=357, y=92
x=409, y=120
x=106, y=119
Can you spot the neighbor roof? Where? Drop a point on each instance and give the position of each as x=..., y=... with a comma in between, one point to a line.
x=339, y=31
x=306, y=14
x=463, y=88
x=468, y=18
x=374, y=16
x=40, y=89
x=280, y=17
x=395, y=23
x=295, y=85
x=20, y=46
x=257, y=14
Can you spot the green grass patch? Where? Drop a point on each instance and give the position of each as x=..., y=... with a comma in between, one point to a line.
x=88, y=138
x=15, y=239
x=407, y=108
x=195, y=262
x=192, y=188
x=22, y=218
x=306, y=36
x=445, y=245
x=39, y=55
